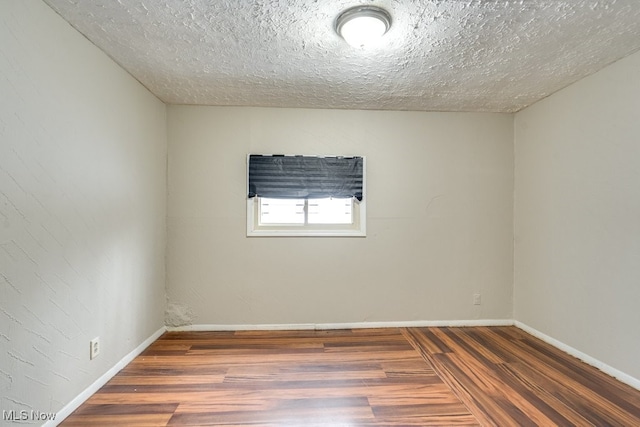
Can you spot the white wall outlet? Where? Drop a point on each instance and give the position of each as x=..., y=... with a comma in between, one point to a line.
x=94, y=349
x=477, y=299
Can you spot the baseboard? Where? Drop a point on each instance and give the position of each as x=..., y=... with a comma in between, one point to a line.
x=355, y=325
x=619, y=375
x=89, y=391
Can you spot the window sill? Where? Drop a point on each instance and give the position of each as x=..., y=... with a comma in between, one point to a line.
x=306, y=233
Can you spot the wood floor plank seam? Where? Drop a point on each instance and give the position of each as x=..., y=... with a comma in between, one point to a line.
x=467, y=376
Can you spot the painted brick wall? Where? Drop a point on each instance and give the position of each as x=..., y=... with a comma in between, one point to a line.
x=82, y=210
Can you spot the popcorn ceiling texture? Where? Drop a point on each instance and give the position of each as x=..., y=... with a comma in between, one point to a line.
x=439, y=55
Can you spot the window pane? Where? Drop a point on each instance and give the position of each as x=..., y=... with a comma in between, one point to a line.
x=281, y=211
x=330, y=211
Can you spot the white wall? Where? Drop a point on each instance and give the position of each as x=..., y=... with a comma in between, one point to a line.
x=440, y=206
x=82, y=210
x=577, y=216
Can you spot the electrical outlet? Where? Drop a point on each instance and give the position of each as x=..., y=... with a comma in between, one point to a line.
x=94, y=348
x=477, y=299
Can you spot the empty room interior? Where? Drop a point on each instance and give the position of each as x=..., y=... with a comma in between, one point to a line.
x=487, y=271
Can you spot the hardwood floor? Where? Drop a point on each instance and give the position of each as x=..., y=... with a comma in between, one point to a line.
x=489, y=376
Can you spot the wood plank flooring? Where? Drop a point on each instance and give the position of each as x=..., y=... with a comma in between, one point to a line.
x=488, y=376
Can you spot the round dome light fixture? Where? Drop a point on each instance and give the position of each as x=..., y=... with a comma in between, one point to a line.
x=363, y=26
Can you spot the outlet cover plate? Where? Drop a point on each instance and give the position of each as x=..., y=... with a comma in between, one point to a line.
x=94, y=349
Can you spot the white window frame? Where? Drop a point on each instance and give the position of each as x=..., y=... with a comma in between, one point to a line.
x=357, y=229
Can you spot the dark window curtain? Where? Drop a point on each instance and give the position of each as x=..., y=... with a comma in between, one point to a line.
x=304, y=177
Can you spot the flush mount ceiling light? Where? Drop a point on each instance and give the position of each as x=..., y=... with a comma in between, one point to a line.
x=363, y=26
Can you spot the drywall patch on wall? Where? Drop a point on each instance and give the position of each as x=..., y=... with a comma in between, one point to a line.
x=177, y=315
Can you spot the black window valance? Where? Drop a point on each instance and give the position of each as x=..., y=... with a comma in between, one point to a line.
x=305, y=177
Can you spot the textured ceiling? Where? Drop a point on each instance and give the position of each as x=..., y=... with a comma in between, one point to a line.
x=439, y=55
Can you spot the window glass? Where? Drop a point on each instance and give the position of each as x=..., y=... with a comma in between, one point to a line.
x=330, y=211
x=318, y=211
x=281, y=211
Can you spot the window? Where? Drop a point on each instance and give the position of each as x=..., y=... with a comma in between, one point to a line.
x=282, y=211
x=306, y=211
x=305, y=196
x=330, y=211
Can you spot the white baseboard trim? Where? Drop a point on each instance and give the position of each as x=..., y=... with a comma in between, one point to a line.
x=355, y=325
x=89, y=391
x=619, y=375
